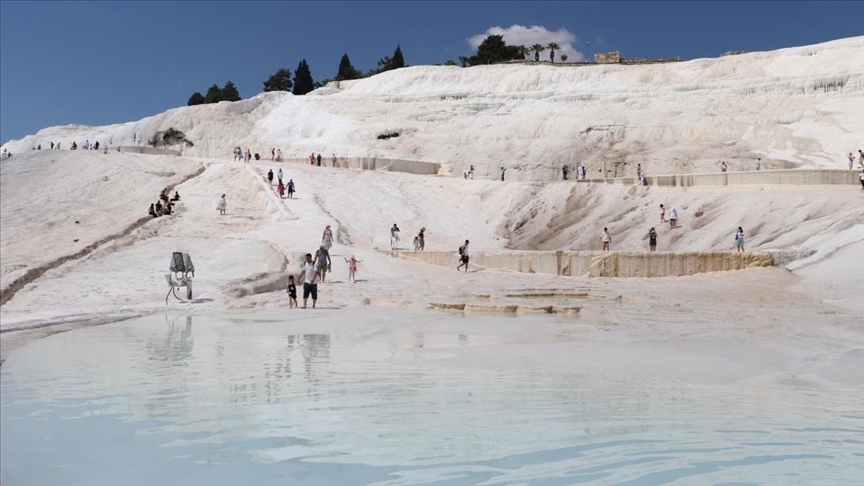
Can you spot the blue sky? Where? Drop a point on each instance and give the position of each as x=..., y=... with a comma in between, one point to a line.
x=98, y=63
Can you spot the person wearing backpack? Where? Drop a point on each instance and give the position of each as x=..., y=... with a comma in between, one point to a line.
x=463, y=256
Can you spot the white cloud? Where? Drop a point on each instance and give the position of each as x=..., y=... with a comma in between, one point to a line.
x=519, y=35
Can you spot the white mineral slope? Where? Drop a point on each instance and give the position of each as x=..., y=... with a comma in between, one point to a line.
x=262, y=236
x=795, y=107
x=57, y=203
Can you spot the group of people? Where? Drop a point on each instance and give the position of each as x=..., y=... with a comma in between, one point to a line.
x=606, y=239
x=244, y=157
x=282, y=187
x=580, y=172
x=315, y=269
x=316, y=160
x=159, y=209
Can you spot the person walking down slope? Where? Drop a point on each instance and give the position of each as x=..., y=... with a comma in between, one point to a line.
x=739, y=239
x=327, y=238
x=663, y=214
x=394, y=237
x=270, y=177
x=352, y=268
x=503, y=170
x=463, y=257
x=652, y=240
x=673, y=218
x=279, y=175
x=280, y=189
x=290, y=188
x=222, y=206
x=422, y=237
x=310, y=278
x=322, y=261
x=606, y=239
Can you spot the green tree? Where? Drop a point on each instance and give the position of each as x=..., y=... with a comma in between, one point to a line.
x=552, y=47
x=522, y=51
x=214, y=94
x=279, y=81
x=303, y=79
x=196, y=99
x=493, y=49
x=464, y=60
x=346, y=70
x=397, y=61
x=450, y=62
x=564, y=57
x=537, y=49
x=230, y=93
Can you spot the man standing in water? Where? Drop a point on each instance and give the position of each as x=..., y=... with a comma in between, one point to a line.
x=309, y=277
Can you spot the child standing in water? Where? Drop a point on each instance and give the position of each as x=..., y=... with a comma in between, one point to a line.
x=352, y=268
x=292, y=292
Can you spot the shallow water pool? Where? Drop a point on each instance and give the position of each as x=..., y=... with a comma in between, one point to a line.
x=180, y=400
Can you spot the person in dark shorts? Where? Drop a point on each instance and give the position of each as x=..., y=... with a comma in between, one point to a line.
x=463, y=256
x=652, y=239
x=292, y=293
x=309, y=277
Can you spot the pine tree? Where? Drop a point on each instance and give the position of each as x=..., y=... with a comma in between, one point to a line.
x=230, y=93
x=397, y=61
x=196, y=99
x=279, y=81
x=214, y=95
x=303, y=79
x=346, y=70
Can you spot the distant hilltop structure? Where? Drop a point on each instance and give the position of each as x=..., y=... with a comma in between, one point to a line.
x=614, y=57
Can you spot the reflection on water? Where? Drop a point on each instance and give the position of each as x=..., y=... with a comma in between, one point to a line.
x=244, y=403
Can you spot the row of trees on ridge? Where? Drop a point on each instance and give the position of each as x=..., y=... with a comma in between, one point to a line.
x=302, y=82
x=492, y=50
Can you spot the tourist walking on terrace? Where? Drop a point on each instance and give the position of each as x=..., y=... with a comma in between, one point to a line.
x=290, y=188
x=279, y=175
x=652, y=240
x=662, y=214
x=422, y=238
x=860, y=157
x=222, y=206
x=310, y=279
x=565, y=171
x=606, y=239
x=851, y=160
x=352, y=268
x=280, y=189
x=322, y=261
x=270, y=177
x=739, y=239
x=503, y=170
x=272, y=154
x=759, y=163
x=861, y=178
x=463, y=257
x=673, y=218
x=312, y=158
x=394, y=237
x=327, y=238
x=319, y=160
x=723, y=166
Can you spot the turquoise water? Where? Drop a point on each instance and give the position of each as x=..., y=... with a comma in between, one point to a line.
x=163, y=400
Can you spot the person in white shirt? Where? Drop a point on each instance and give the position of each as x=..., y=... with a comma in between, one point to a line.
x=309, y=276
x=394, y=237
x=673, y=218
x=606, y=239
